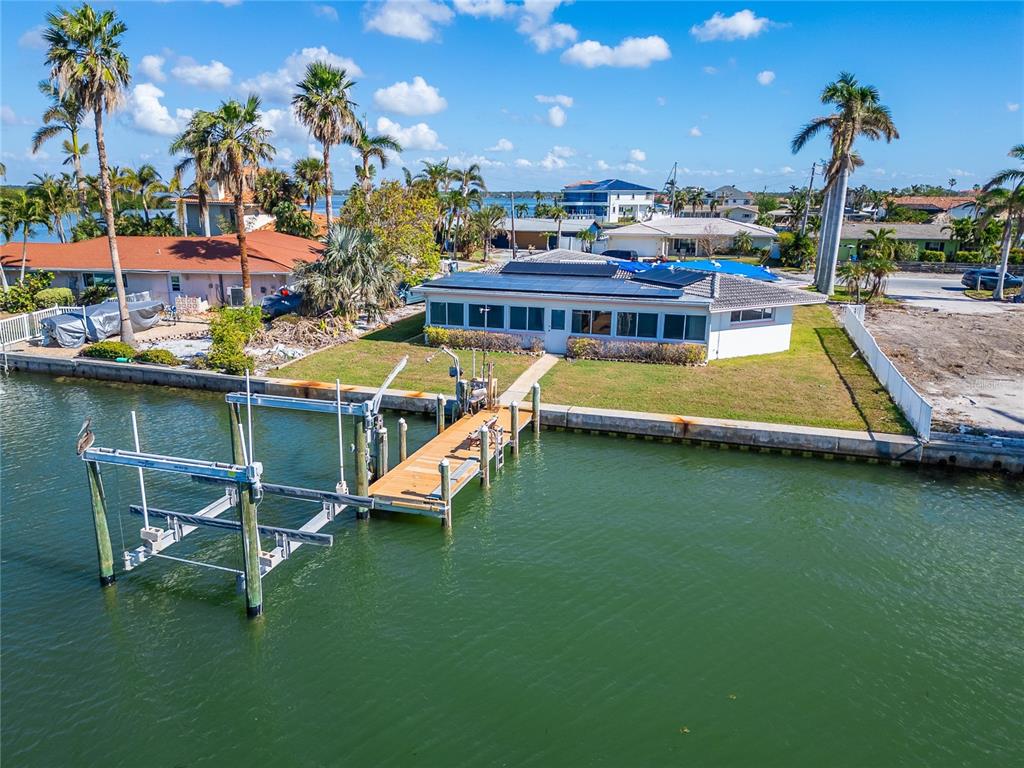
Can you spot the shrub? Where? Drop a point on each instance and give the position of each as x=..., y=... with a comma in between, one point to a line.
x=157, y=357
x=292, y=220
x=458, y=338
x=1017, y=255
x=796, y=250
x=96, y=294
x=21, y=297
x=233, y=361
x=87, y=229
x=50, y=297
x=636, y=351
x=970, y=257
x=248, y=320
x=933, y=256
x=109, y=350
x=231, y=330
x=904, y=251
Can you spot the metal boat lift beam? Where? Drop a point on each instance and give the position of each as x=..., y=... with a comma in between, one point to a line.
x=209, y=470
x=299, y=404
x=309, y=494
x=306, y=537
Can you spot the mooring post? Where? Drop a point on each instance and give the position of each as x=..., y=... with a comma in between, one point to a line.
x=250, y=550
x=485, y=456
x=99, y=518
x=362, y=469
x=237, y=446
x=440, y=413
x=535, y=415
x=446, y=492
x=513, y=410
x=403, y=443
x=382, y=452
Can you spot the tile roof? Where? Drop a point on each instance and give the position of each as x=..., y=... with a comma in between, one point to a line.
x=941, y=203
x=859, y=230
x=530, y=224
x=608, y=185
x=691, y=227
x=269, y=253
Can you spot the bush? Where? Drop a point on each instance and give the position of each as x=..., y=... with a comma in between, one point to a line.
x=933, y=256
x=292, y=220
x=87, y=229
x=248, y=320
x=1017, y=255
x=21, y=297
x=904, y=251
x=233, y=361
x=50, y=297
x=796, y=250
x=970, y=257
x=157, y=357
x=457, y=338
x=636, y=351
x=96, y=294
x=109, y=350
x=231, y=330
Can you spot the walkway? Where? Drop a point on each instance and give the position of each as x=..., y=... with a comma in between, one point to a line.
x=520, y=389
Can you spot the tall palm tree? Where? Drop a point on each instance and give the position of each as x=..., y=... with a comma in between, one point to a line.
x=64, y=115
x=695, y=197
x=176, y=189
x=487, y=223
x=54, y=194
x=1014, y=178
x=370, y=148
x=309, y=175
x=858, y=112
x=558, y=213
x=85, y=58
x=194, y=143
x=471, y=189
x=587, y=237
x=146, y=182
x=323, y=106
x=238, y=143
x=25, y=212
x=522, y=210
x=1000, y=202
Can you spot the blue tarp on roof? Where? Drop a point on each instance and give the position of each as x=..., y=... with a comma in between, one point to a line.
x=632, y=266
x=753, y=271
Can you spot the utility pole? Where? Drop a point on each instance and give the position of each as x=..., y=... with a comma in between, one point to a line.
x=513, y=212
x=807, y=203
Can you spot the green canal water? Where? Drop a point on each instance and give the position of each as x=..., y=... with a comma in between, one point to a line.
x=608, y=602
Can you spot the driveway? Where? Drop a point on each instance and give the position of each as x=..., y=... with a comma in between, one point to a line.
x=940, y=292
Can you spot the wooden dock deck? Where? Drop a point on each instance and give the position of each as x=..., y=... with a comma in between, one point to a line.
x=415, y=484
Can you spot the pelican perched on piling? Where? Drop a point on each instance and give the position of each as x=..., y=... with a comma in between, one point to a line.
x=85, y=437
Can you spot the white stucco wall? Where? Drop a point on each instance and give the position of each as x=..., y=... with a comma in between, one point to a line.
x=728, y=339
x=644, y=246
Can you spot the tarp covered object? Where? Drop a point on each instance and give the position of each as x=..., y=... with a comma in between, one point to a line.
x=101, y=321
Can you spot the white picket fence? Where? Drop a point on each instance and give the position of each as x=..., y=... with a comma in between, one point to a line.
x=19, y=328
x=917, y=410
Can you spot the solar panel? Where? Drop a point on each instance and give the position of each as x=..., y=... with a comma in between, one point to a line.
x=560, y=268
x=677, y=278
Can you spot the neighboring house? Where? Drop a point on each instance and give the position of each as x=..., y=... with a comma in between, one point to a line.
x=666, y=237
x=540, y=234
x=926, y=237
x=729, y=195
x=221, y=206
x=608, y=200
x=169, y=267
x=556, y=296
x=956, y=207
x=745, y=213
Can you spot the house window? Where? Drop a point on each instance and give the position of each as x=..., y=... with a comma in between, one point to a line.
x=933, y=246
x=442, y=313
x=526, y=318
x=685, y=327
x=638, y=324
x=175, y=282
x=557, y=319
x=696, y=327
x=105, y=279
x=751, y=315
x=592, y=321
x=486, y=316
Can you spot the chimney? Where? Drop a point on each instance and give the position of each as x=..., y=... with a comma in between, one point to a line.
x=714, y=285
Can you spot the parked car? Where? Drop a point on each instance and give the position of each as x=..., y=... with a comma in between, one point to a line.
x=986, y=279
x=615, y=253
x=283, y=302
x=410, y=295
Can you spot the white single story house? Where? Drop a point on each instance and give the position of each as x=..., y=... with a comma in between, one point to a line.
x=540, y=234
x=665, y=237
x=564, y=294
x=169, y=267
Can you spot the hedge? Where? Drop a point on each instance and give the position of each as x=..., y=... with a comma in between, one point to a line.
x=970, y=257
x=932, y=256
x=109, y=350
x=54, y=297
x=157, y=356
x=457, y=338
x=636, y=351
x=1017, y=255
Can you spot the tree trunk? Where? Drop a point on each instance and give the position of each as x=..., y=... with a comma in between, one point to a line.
x=558, y=236
x=59, y=225
x=3, y=278
x=145, y=209
x=83, y=200
x=107, y=203
x=822, y=217
x=828, y=275
x=1004, y=261
x=367, y=184
x=24, y=251
x=243, y=255
x=328, y=183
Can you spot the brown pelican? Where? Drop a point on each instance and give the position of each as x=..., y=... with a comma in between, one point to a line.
x=85, y=437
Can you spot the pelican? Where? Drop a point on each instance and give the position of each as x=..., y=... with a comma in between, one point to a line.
x=85, y=437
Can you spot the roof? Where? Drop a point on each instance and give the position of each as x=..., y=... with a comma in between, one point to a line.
x=526, y=224
x=607, y=287
x=269, y=253
x=691, y=227
x=608, y=185
x=728, y=190
x=934, y=202
x=859, y=231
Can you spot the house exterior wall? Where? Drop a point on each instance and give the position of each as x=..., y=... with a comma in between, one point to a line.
x=646, y=247
x=739, y=339
x=218, y=210
x=848, y=245
x=666, y=245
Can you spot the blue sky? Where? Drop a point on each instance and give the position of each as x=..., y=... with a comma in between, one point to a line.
x=544, y=93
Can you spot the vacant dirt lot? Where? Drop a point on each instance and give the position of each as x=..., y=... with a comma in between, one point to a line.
x=970, y=367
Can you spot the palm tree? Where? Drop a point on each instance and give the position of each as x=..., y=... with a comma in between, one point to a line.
x=853, y=273
x=744, y=242
x=695, y=198
x=522, y=210
x=146, y=182
x=323, y=106
x=1009, y=204
x=880, y=250
x=86, y=61
x=559, y=214
x=194, y=143
x=858, y=112
x=54, y=193
x=587, y=237
x=237, y=145
x=64, y=115
x=176, y=188
x=471, y=189
x=25, y=212
x=309, y=176
x=998, y=203
x=273, y=186
x=487, y=223
x=370, y=148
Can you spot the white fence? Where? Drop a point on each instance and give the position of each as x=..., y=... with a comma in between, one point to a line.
x=14, y=330
x=917, y=410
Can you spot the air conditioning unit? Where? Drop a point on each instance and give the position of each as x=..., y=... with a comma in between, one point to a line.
x=236, y=296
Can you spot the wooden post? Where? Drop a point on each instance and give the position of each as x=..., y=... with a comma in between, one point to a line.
x=104, y=552
x=403, y=443
x=513, y=410
x=362, y=470
x=440, y=414
x=485, y=457
x=250, y=550
x=446, y=492
x=237, y=447
x=382, y=452
x=535, y=415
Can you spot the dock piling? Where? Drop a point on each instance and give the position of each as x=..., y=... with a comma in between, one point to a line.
x=362, y=468
x=535, y=415
x=513, y=409
x=250, y=550
x=446, y=492
x=403, y=443
x=382, y=452
x=485, y=456
x=440, y=413
x=104, y=552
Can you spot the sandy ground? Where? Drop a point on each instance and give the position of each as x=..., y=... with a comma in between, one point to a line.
x=970, y=367
x=160, y=335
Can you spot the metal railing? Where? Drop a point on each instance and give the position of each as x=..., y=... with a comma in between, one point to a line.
x=917, y=410
x=26, y=327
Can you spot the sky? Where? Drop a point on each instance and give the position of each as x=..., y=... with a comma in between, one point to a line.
x=543, y=93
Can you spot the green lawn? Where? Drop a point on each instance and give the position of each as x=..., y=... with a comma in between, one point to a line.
x=367, y=361
x=815, y=383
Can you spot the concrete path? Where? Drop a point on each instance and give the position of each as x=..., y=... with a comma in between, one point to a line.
x=520, y=389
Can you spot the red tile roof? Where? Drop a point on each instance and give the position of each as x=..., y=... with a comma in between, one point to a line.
x=942, y=203
x=269, y=253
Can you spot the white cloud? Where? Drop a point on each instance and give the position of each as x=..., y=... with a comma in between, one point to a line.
x=150, y=115
x=503, y=145
x=33, y=38
x=787, y=169
x=959, y=172
x=709, y=70
x=284, y=156
x=214, y=75
x=555, y=36
x=418, y=136
x=464, y=161
x=152, y=67
x=695, y=131
x=758, y=172
x=637, y=155
x=556, y=116
x=878, y=171
x=560, y=151
x=1013, y=106
x=279, y=85
x=490, y=8
x=603, y=166
x=740, y=26
x=560, y=99
x=551, y=162
x=284, y=124
x=637, y=52
x=766, y=77
x=411, y=19
x=535, y=23
x=415, y=98
x=8, y=116
x=522, y=162
x=328, y=12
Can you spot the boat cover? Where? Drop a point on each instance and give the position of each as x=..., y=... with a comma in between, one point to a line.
x=101, y=321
